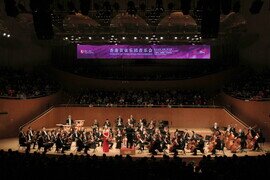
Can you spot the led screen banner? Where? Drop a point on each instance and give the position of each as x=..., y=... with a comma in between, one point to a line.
x=143, y=51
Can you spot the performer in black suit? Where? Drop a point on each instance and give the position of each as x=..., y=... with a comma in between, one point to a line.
x=119, y=123
x=69, y=120
x=119, y=139
x=130, y=136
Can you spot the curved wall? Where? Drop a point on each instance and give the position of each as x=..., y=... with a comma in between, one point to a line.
x=208, y=82
x=251, y=112
x=21, y=111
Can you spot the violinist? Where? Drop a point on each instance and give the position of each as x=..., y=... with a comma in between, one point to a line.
x=95, y=126
x=132, y=120
x=141, y=140
x=178, y=143
x=107, y=123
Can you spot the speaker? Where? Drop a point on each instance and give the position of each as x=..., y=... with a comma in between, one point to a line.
x=256, y=6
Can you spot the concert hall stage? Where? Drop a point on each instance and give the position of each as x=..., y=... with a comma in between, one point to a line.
x=12, y=143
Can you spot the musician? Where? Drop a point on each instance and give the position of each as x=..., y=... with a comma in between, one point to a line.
x=95, y=126
x=69, y=120
x=44, y=132
x=258, y=140
x=130, y=133
x=119, y=139
x=141, y=141
x=228, y=129
x=119, y=122
x=199, y=146
x=75, y=135
x=59, y=143
x=80, y=143
x=90, y=143
x=132, y=120
x=31, y=136
x=243, y=138
x=218, y=145
x=129, y=123
x=107, y=123
x=23, y=141
x=215, y=127
x=155, y=145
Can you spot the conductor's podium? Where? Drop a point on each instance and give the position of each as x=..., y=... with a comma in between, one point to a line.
x=127, y=151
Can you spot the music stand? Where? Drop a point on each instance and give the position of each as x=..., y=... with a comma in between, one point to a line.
x=79, y=123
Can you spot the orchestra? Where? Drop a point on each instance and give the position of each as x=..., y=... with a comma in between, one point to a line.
x=153, y=137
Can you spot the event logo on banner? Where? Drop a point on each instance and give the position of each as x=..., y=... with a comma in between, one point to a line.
x=143, y=51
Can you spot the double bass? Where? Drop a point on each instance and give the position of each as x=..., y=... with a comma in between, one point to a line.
x=212, y=143
x=229, y=140
x=236, y=145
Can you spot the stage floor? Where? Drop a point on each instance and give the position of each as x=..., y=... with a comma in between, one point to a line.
x=12, y=143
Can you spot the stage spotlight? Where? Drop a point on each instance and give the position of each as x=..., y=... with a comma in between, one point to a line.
x=89, y=37
x=135, y=37
x=8, y=35
x=175, y=37
x=146, y=37
x=123, y=37
x=188, y=37
x=161, y=38
x=102, y=38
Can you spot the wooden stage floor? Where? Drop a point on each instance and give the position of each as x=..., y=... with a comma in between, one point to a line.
x=13, y=144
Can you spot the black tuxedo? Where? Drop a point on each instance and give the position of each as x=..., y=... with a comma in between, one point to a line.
x=69, y=121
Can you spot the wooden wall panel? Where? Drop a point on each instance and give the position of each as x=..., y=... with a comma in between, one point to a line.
x=22, y=111
x=177, y=117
